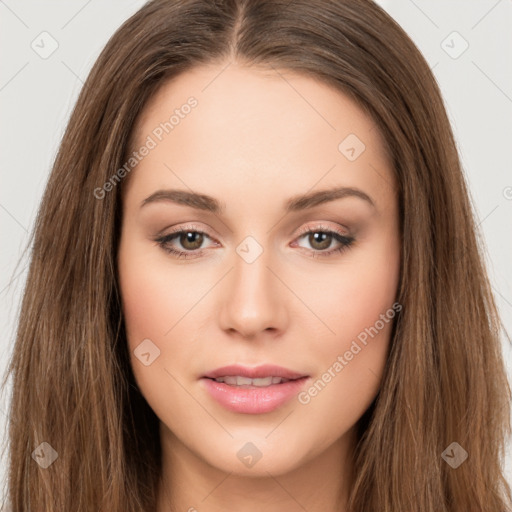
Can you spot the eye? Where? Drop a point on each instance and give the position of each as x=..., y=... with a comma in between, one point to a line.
x=190, y=240
x=321, y=238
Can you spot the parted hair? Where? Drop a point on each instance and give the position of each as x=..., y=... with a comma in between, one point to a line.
x=444, y=379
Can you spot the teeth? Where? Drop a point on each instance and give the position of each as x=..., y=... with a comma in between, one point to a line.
x=245, y=381
x=239, y=381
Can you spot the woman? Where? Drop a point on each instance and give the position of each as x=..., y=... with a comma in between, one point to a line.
x=187, y=341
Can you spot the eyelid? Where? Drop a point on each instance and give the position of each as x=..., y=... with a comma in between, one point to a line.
x=319, y=226
x=185, y=227
x=178, y=229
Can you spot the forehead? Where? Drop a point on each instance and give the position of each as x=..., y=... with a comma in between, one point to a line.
x=256, y=125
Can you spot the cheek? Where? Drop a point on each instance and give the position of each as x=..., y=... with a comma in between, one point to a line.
x=145, y=305
x=363, y=286
x=150, y=302
x=360, y=309
x=154, y=298
x=153, y=304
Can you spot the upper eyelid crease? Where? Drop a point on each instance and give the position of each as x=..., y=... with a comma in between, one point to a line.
x=294, y=204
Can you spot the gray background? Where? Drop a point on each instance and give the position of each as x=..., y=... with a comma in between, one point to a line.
x=37, y=92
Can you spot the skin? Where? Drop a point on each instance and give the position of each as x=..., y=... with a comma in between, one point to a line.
x=256, y=138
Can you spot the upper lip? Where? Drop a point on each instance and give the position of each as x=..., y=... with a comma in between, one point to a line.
x=255, y=372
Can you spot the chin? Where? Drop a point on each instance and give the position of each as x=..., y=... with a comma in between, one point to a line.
x=255, y=458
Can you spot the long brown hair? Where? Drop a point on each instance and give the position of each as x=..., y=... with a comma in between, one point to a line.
x=444, y=381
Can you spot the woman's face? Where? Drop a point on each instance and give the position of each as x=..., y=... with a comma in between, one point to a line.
x=289, y=256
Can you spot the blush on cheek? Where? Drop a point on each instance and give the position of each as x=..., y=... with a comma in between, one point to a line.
x=154, y=300
x=143, y=309
x=366, y=318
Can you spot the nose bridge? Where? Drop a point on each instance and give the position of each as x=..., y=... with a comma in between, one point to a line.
x=253, y=301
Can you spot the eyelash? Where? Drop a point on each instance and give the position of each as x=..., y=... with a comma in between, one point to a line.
x=163, y=242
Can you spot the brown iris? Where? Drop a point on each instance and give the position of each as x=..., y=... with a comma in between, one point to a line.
x=193, y=238
x=323, y=240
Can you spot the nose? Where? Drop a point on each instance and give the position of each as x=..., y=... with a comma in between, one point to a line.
x=253, y=299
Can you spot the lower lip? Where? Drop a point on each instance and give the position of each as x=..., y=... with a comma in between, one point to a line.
x=253, y=400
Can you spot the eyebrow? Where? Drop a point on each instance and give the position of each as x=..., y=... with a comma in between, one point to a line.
x=294, y=204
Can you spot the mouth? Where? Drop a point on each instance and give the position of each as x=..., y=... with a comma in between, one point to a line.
x=238, y=381
x=253, y=390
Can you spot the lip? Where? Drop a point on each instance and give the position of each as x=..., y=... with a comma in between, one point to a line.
x=266, y=370
x=253, y=400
